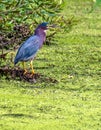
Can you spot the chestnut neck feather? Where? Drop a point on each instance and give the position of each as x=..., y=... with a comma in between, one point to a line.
x=41, y=33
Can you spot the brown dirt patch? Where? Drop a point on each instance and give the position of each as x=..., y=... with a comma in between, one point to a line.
x=18, y=74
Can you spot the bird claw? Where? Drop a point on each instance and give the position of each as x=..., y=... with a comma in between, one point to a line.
x=32, y=73
x=25, y=71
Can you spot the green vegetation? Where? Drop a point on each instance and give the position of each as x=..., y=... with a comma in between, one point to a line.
x=30, y=12
x=74, y=60
x=19, y=18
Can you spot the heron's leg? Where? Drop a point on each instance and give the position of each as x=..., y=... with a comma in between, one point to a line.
x=25, y=70
x=31, y=65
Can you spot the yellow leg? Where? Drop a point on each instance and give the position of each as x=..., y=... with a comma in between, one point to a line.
x=25, y=70
x=31, y=65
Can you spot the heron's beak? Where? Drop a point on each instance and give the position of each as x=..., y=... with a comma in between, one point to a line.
x=52, y=26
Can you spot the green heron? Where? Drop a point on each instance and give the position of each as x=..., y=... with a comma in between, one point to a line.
x=30, y=47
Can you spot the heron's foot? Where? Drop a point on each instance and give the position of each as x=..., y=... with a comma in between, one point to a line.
x=25, y=72
x=33, y=72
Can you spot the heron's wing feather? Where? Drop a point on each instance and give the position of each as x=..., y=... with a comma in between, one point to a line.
x=28, y=49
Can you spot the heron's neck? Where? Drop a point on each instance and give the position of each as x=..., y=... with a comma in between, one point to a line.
x=41, y=33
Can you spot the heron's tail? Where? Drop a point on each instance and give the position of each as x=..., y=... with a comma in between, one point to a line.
x=16, y=61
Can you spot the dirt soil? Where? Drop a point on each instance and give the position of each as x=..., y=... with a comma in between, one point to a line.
x=18, y=73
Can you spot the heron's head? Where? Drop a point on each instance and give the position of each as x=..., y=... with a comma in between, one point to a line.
x=43, y=26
